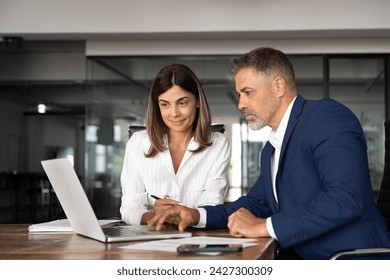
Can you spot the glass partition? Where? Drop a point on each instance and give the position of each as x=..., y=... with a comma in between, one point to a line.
x=87, y=120
x=118, y=93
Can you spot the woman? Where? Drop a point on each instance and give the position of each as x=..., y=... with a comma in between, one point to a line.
x=178, y=158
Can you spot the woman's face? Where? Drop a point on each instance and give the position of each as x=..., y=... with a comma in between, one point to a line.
x=178, y=109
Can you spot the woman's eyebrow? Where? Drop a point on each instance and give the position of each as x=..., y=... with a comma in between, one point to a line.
x=183, y=98
x=178, y=100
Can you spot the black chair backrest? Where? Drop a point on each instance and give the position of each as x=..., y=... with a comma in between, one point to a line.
x=214, y=127
x=218, y=127
x=383, y=198
x=135, y=128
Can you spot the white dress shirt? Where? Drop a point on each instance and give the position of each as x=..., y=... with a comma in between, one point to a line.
x=200, y=180
x=276, y=140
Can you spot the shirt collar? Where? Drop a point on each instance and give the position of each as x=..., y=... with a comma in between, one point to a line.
x=193, y=145
x=276, y=137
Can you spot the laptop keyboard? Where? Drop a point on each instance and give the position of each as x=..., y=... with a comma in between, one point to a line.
x=124, y=231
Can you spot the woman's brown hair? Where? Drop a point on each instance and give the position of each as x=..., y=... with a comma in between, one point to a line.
x=182, y=76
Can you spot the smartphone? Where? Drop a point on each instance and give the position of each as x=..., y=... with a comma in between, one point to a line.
x=196, y=248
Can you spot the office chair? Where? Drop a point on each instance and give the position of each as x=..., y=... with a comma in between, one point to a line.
x=214, y=127
x=383, y=202
x=134, y=128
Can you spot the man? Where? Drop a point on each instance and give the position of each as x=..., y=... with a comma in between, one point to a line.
x=314, y=194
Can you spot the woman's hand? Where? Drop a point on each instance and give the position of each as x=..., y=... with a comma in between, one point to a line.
x=164, y=204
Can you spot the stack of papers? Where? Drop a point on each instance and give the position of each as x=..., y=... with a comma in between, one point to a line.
x=62, y=226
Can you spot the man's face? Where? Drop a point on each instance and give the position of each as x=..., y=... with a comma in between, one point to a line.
x=257, y=99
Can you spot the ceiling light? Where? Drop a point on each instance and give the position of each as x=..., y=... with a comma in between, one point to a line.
x=41, y=108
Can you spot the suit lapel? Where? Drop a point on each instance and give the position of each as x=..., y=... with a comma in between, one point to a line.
x=292, y=122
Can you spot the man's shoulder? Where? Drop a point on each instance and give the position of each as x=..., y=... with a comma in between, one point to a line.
x=325, y=106
x=324, y=102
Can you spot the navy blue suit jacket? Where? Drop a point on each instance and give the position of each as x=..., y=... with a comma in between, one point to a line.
x=325, y=198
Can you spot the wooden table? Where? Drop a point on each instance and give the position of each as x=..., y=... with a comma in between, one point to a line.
x=17, y=244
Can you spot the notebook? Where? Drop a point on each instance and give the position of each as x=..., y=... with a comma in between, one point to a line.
x=80, y=214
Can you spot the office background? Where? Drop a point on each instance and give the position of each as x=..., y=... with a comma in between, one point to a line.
x=89, y=65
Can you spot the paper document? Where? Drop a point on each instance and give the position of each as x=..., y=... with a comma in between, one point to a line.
x=170, y=245
x=63, y=225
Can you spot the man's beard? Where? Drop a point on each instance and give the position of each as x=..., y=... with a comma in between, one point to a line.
x=259, y=123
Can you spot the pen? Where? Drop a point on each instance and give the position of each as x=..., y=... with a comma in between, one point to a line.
x=157, y=198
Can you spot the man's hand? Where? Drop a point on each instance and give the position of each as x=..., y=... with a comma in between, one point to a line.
x=159, y=207
x=178, y=214
x=164, y=204
x=242, y=223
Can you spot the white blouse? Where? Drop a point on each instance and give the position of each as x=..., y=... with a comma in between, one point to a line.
x=202, y=178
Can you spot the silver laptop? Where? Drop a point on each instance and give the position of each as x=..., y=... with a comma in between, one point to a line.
x=80, y=214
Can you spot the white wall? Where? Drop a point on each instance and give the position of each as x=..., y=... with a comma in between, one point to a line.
x=236, y=46
x=150, y=27
x=132, y=16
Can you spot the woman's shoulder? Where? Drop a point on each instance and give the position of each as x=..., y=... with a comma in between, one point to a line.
x=220, y=146
x=139, y=137
x=218, y=137
x=140, y=134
